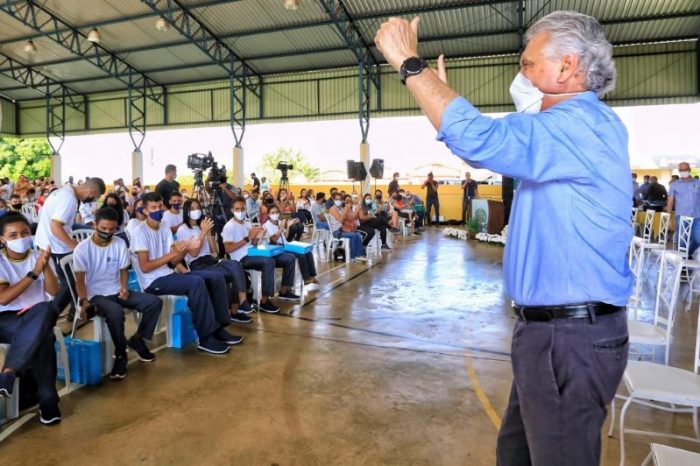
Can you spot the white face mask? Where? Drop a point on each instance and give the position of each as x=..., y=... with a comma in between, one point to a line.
x=274, y=217
x=527, y=97
x=240, y=215
x=338, y=203
x=245, y=196
x=195, y=214
x=684, y=174
x=20, y=245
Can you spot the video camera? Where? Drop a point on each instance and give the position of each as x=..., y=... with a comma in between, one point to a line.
x=200, y=162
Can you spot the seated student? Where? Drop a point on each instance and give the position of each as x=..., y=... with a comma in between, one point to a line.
x=205, y=291
x=173, y=216
x=404, y=209
x=353, y=224
x=238, y=234
x=288, y=210
x=303, y=205
x=276, y=231
x=318, y=211
x=268, y=201
x=203, y=253
x=331, y=198
x=15, y=203
x=339, y=215
x=370, y=222
x=253, y=206
x=137, y=220
x=26, y=317
x=415, y=200
x=101, y=276
x=116, y=203
x=384, y=210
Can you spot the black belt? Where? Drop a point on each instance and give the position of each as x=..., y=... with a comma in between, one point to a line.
x=571, y=311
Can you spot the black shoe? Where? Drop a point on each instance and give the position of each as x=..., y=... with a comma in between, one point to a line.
x=7, y=383
x=49, y=414
x=223, y=336
x=118, y=369
x=245, y=307
x=268, y=307
x=289, y=296
x=241, y=318
x=137, y=344
x=385, y=247
x=211, y=345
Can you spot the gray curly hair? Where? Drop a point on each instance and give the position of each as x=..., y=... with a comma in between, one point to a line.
x=583, y=36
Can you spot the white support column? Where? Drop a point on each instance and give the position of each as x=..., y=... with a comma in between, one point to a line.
x=364, y=158
x=56, y=174
x=238, y=168
x=136, y=166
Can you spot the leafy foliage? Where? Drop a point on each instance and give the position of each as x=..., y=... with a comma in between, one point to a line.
x=28, y=157
x=302, y=172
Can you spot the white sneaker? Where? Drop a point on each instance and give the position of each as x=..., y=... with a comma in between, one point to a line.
x=361, y=259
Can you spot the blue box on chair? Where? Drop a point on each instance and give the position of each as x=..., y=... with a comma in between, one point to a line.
x=85, y=360
x=297, y=247
x=266, y=251
x=133, y=283
x=183, y=332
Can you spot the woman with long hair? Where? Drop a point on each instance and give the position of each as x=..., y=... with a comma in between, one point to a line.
x=276, y=230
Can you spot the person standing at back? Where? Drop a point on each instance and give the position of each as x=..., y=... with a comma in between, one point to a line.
x=53, y=232
x=168, y=185
x=431, y=199
x=470, y=189
x=256, y=181
x=393, y=185
x=570, y=282
x=686, y=194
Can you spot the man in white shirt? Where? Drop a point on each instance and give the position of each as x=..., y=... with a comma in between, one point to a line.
x=238, y=234
x=205, y=290
x=26, y=318
x=101, y=272
x=173, y=216
x=56, y=219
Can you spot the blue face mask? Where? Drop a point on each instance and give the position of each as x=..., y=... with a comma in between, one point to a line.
x=175, y=206
x=139, y=210
x=3, y=212
x=156, y=216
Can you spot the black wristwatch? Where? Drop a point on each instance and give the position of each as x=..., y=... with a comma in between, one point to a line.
x=411, y=67
x=247, y=240
x=32, y=275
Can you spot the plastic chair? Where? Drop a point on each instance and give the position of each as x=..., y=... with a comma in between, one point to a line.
x=648, y=226
x=82, y=234
x=319, y=235
x=662, y=455
x=29, y=210
x=338, y=242
x=659, y=333
x=662, y=387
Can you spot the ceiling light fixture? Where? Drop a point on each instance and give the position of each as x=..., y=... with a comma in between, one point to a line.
x=291, y=4
x=162, y=24
x=29, y=47
x=94, y=36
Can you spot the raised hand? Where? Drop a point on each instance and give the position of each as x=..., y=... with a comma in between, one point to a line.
x=397, y=39
x=442, y=71
x=207, y=225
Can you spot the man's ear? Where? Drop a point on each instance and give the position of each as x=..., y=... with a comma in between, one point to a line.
x=568, y=68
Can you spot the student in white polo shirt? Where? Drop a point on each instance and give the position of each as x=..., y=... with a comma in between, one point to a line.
x=56, y=220
x=238, y=235
x=173, y=216
x=101, y=275
x=26, y=317
x=206, y=291
x=276, y=232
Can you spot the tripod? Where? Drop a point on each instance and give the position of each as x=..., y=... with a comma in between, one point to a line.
x=284, y=182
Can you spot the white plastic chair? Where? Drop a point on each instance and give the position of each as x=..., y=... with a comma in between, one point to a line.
x=662, y=455
x=659, y=332
x=648, y=226
x=636, y=264
x=338, y=242
x=82, y=234
x=30, y=212
x=662, y=239
x=662, y=387
x=319, y=235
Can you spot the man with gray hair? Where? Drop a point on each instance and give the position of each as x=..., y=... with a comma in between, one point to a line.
x=686, y=194
x=565, y=262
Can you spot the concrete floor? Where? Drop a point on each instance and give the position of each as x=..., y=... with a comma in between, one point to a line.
x=401, y=362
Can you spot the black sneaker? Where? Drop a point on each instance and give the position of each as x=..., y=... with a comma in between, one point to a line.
x=49, y=414
x=7, y=383
x=241, y=318
x=118, y=369
x=289, y=296
x=223, y=336
x=211, y=345
x=137, y=344
x=269, y=307
x=385, y=247
x=245, y=307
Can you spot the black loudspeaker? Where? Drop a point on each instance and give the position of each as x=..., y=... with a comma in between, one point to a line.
x=377, y=168
x=361, y=171
x=352, y=169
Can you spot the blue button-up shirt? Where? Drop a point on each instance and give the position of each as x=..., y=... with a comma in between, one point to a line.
x=686, y=197
x=569, y=227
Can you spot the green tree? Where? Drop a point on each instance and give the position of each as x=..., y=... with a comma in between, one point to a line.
x=303, y=171
x=28, y=157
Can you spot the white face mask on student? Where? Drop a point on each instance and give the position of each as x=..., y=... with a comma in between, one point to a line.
x=684, y=174
x=195, y=214
x=20, y=245
x=274, y=217
x=240, y=215
x=527, y=97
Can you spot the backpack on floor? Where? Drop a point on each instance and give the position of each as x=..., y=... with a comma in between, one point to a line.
x=339, y=254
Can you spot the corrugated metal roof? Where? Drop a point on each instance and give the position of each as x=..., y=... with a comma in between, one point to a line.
x=307, y=38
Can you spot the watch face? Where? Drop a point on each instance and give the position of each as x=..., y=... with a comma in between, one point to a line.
x=413, y=65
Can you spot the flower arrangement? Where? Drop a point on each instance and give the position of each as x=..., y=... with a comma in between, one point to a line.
x=463, y=234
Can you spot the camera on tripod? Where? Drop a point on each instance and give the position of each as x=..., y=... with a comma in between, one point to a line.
x=200, y=162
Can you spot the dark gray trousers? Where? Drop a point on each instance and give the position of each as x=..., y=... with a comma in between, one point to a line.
x=566, y=372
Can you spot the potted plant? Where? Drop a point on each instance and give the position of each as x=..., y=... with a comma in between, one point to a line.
x=473, y=227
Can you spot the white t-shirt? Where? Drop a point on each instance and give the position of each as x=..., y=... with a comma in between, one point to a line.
x=86, y=211
x=184, y=233
x=172, y=220
x=130, y=227
x=13, y=271
x=157, y=243
x=59, y=207
x=271, y=230
x=101, y=265
x=235, y=232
